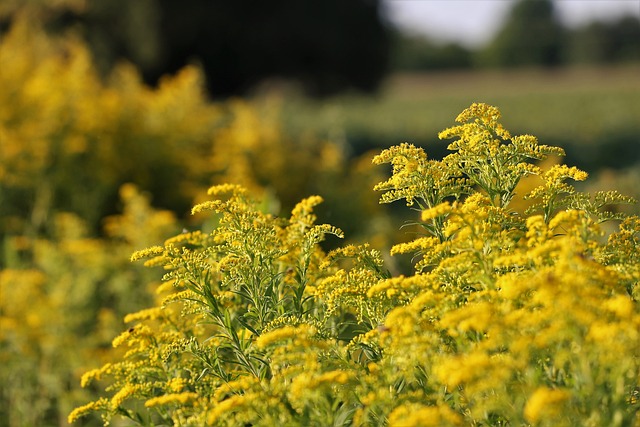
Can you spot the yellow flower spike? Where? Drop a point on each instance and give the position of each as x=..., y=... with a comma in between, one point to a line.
x=456, y=370
x=179, y=296
x=184, y=237
x=123, y=394
x=171, y=399
x=399, y=153
x=545, y=403
x=400, y=321
x=621, y=305
x=83, y=410
x=120, y=339
x=422, y=243
x=418, y=415
x=472, y=317
x=176, y=385
x=537, y=230
x=146, y=314
x=159, y=261
x=436, y=211
x=212, y=205
x=222, y=189
x=559, y=172
x=94, y=374
x=304, y=385
x=285, y=333
x=568, y=217
x=239, y=386
x=302, y=211
x=221, y=408
x=480, y=110
x=146, y=253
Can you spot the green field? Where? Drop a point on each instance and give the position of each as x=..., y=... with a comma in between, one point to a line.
x=594, y=113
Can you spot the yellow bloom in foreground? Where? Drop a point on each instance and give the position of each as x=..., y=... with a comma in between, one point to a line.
x=304, y=208
x=417, y=415
x=146, y=314
x=285, y=333
x=457, y=370
x=94, y=374
x=225, y=406
x=176, y=385
x=242, y=384
x=83, y=410
x=148, y=252
x=304, y=387
x=123, y=394
x=120, y=339
x=544, y=403
x=234, y=189
x=559, y=172
x=436, y=211
x=472, y=317
x=621, y=305
x=169, y=399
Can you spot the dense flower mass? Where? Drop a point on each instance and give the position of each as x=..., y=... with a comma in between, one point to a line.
x=83, y=158
x=511, y=316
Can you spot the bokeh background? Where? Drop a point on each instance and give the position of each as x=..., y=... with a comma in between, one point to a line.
x=117, y=115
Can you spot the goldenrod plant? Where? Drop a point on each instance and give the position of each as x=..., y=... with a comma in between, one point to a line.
x=69, y=146
x=76, y=148
x=510, y=317
x=62, y=299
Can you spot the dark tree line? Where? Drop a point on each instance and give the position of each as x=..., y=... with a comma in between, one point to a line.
x=602, y=42
x=532, y=35
x=327, y=46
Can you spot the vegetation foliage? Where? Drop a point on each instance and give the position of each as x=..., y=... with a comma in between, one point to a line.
x=509, y=318
x=308, y=42
x=256, y=320
x=79, y=161
x=69, y=147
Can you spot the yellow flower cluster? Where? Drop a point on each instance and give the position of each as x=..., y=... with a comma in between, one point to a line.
x=417, y=415
x=417, y=179
x=508, y=319
x=147, y=252
x=178, y=399
x=296, y=333
x=74, y=146
x=436, y=211
x=83, y=410
x=544, y=402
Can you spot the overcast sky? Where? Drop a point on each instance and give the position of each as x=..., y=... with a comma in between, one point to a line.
x=473, y=22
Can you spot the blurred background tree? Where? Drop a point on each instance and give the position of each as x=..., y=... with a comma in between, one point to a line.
x=327, y=46
x=531, y=35
x=605, y=42
x=411, y=52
